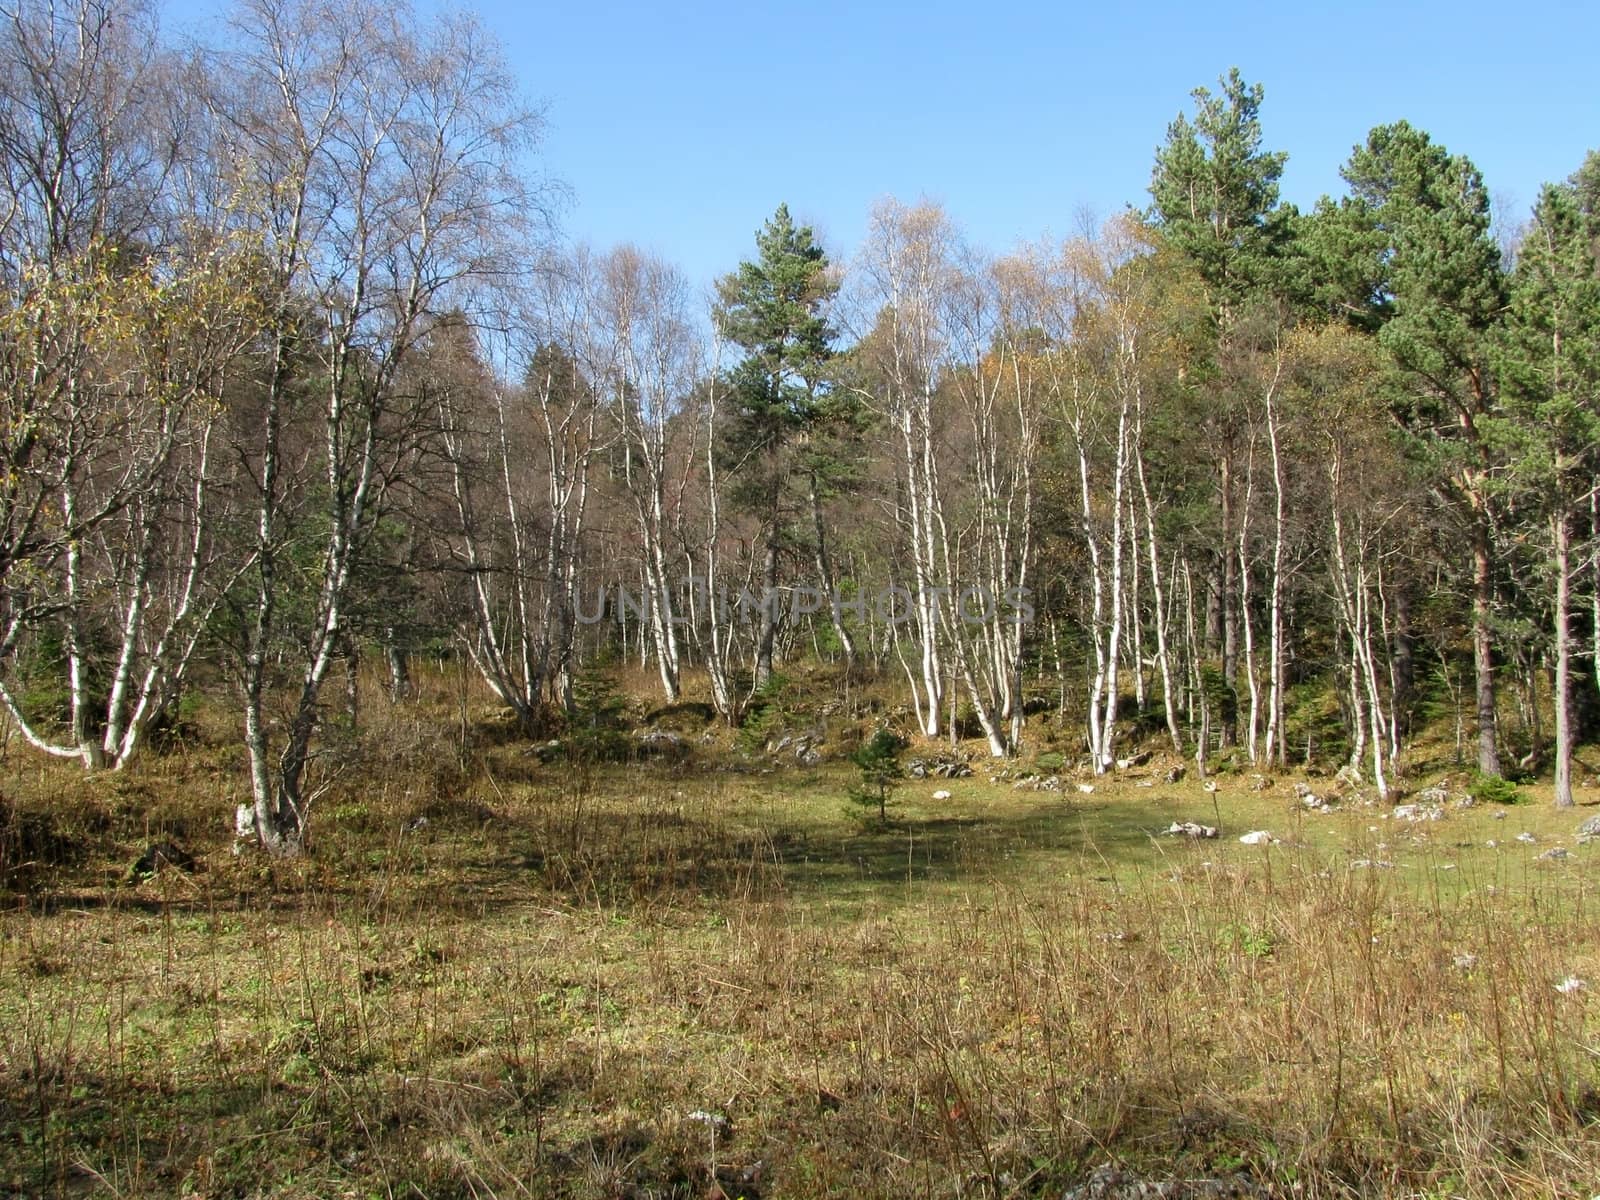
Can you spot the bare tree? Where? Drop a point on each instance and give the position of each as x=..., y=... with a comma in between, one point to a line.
x=908, y=270
x=120, y=326
x=112, y=384
x=521, y=459
x=1333, y=370
x=997, y=310
x=652, y=363
x=381, y=159
x=85, y=146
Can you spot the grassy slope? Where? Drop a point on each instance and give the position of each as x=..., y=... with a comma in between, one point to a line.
x=531, y=991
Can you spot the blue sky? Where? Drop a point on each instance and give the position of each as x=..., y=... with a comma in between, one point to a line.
x=681, y=127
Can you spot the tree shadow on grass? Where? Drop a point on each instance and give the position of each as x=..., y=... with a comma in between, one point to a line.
x=1057, y=838
x=584, y=845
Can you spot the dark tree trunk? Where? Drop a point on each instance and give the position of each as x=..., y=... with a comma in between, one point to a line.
x=1483, y=646
x=352, y=679
x=769, y=611
x=1230, y=610
x=847, y=644
x=1403, y=651
x=1213, y=631
x=399, y=666
x=1563, y=637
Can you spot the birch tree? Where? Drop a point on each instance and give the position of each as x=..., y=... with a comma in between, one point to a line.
x=381, y=157
x=1333, y=374
x=908, y=272
x=652, y=367
x=994, y=313
x=521, y=453
x=111, y=385
x=120, y=324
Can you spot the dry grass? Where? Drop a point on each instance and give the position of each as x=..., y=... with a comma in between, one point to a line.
x=531, y=991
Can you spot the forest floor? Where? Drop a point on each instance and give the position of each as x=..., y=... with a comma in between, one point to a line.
x=499, y=977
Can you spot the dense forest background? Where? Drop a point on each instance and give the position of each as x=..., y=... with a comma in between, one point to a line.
x=296, y=371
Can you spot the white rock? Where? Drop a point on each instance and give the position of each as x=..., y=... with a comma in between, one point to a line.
x=941, y=794
x=715, y=1121
x=1191, y=829
x=1526, y=838
x=1570, y=985
x=1257, y=837
x=1086, y=788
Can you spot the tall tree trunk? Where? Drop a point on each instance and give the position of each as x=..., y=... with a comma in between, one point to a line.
x=1562, y=529
x=350, y=651
x=399, y=662
x=1246, y=624
x=1197, y=651
x=1594, y=581
x=769, y=607
x=1163, y=658
x=1275, y=749
x=1230, y=605
x=1212, y=645
x=268, y=818
x=1404, y=651
x=1483, y=644
x=825, y=579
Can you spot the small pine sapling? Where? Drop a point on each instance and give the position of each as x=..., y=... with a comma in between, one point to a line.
x=878, y=760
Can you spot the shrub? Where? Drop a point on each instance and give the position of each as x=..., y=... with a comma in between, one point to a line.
x=1491, y=789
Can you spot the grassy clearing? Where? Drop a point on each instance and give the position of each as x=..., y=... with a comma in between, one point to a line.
x=501, y=978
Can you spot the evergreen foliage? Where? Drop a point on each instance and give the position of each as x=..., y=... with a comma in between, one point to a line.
x=878, y=761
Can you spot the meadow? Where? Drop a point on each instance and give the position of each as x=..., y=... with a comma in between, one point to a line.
x=506, y=969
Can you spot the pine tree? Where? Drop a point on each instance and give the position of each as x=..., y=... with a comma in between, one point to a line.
x=775, y=309
x=1422, y=215
x=1215, y=198
x=1549, y=359
x=1215, y=192
x=878, y=760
